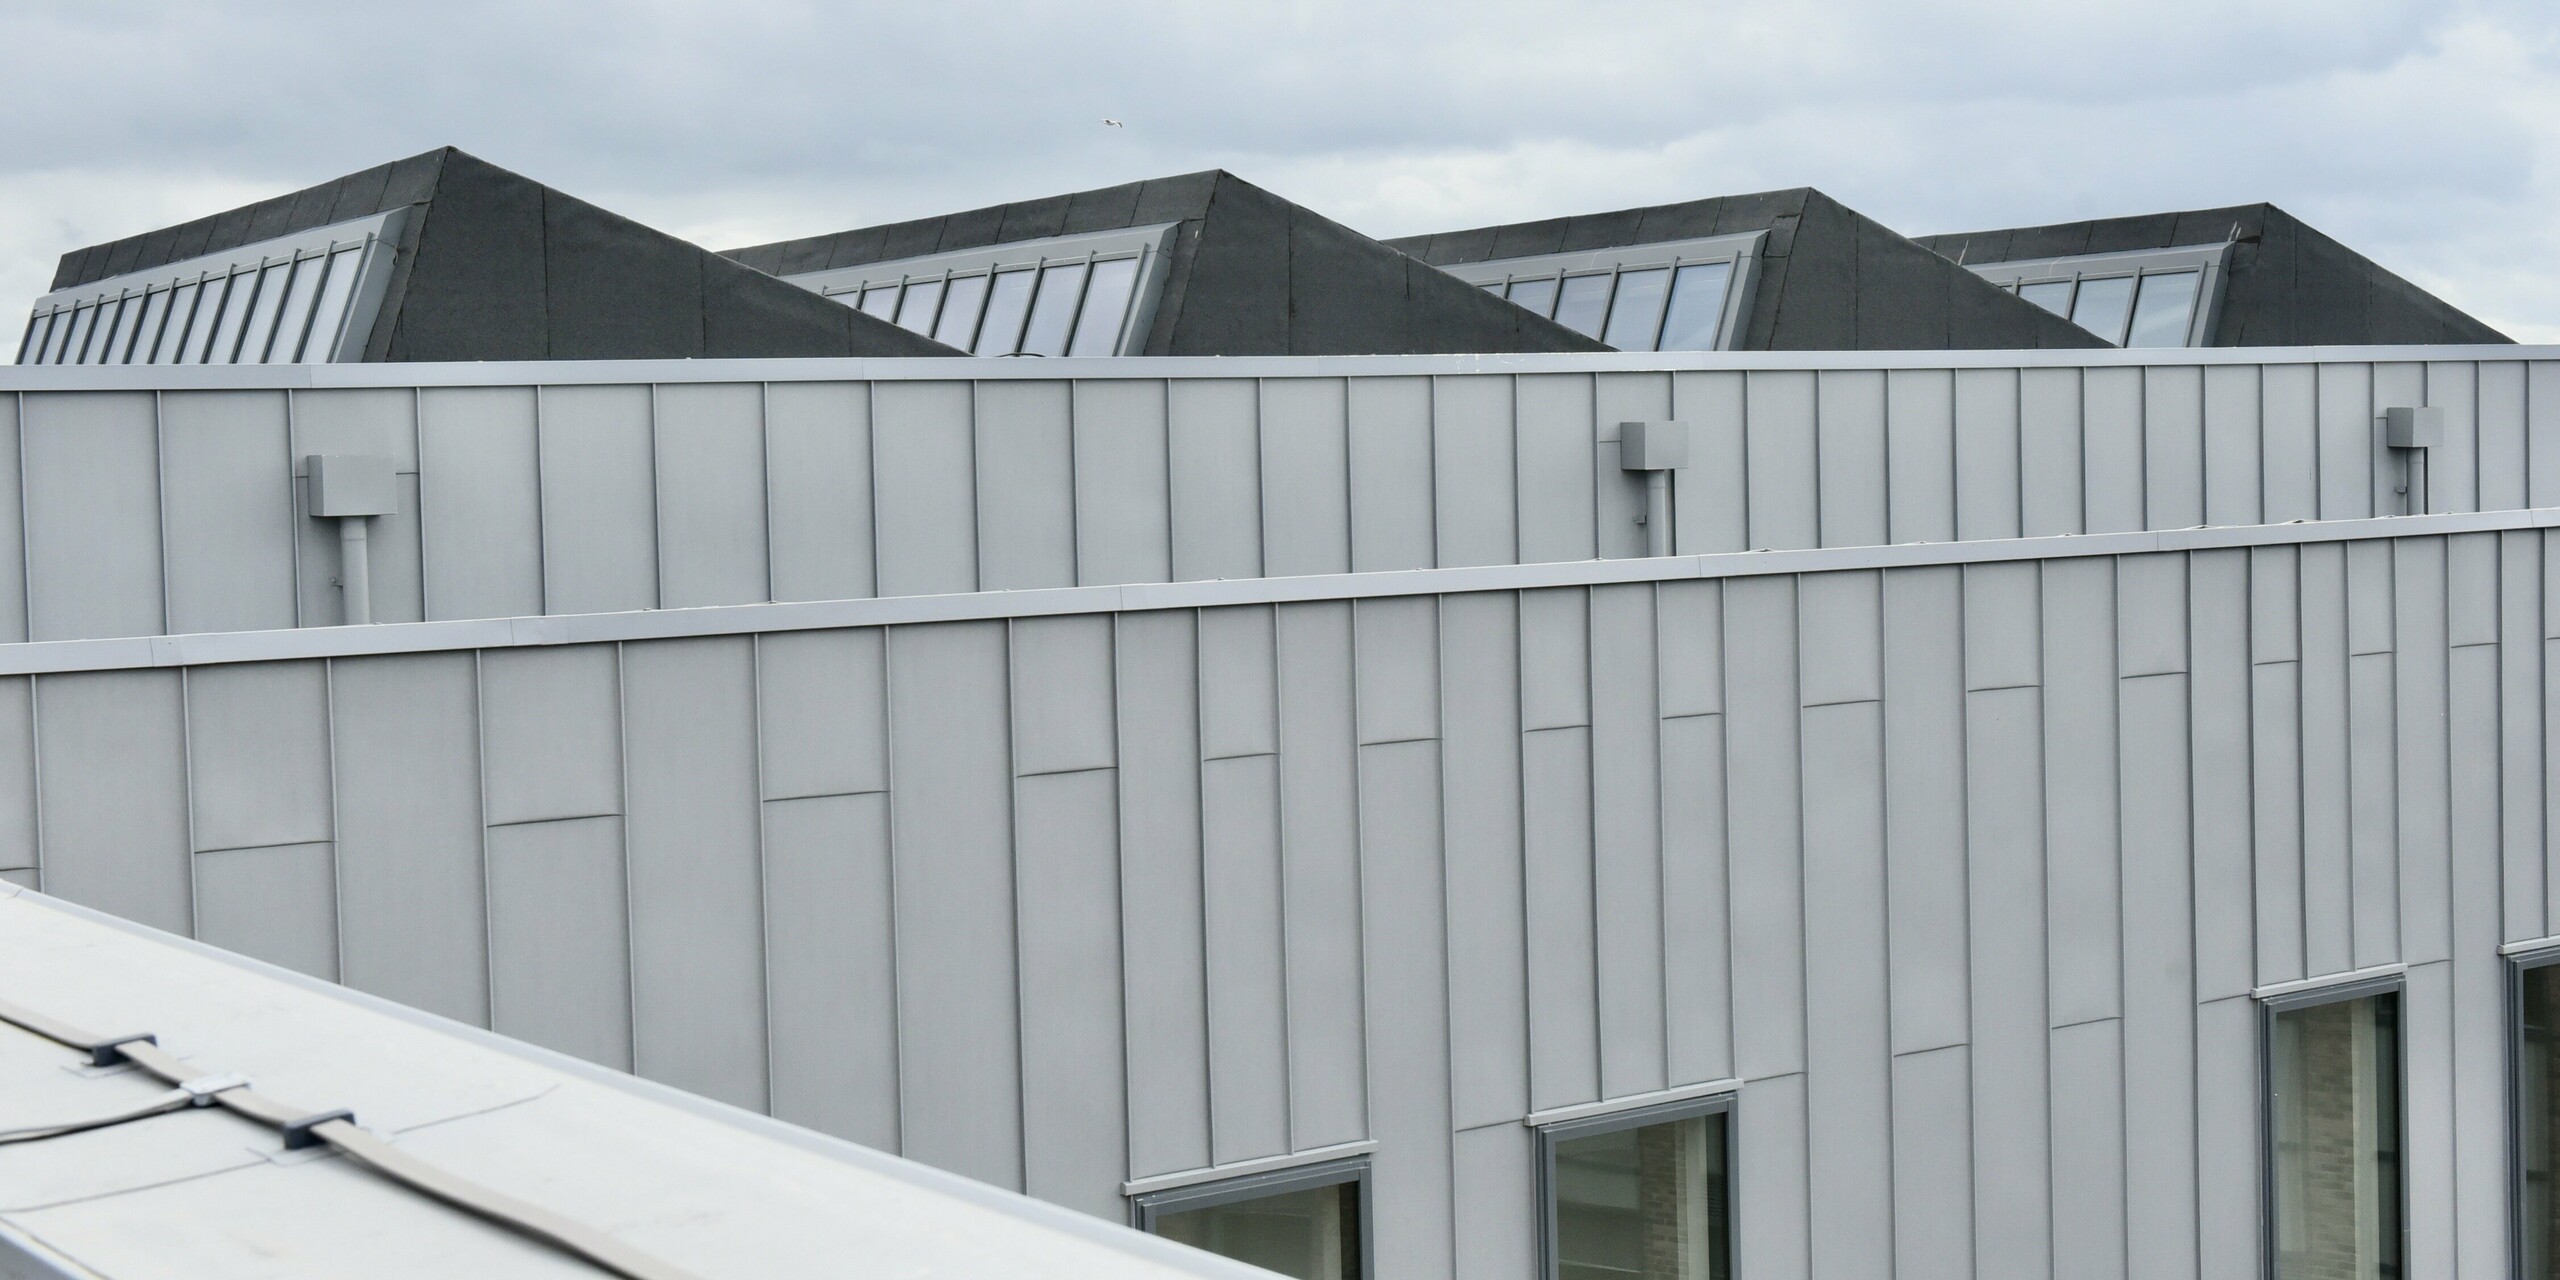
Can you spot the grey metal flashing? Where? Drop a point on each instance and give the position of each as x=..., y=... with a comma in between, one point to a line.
x=138, y=652
x=1053, y=1217
x=541, y=373
x=1247, y=1168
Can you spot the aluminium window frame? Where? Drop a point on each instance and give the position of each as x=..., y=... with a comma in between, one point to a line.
x=2213, y=260
x=374, y=240
x=2312, y=995
x=1742, y=249
x=1725, y=1104
x=2518, y=962
x=1147, y=1208
x=1150, y=245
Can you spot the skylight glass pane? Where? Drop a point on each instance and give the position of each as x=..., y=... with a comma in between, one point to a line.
x=1054, y=312
x=173, y=337
x=915, y=311
x=81, y=322
x=1697, y=307
x=958, y=325
x=2102, y=305
x=335, y=293
x=31, y=343
x=1636, y=313
x=1536, y=295
x=2052, y=295
x=2163, y=308
x=1582, y=303
x=115, y=326
x=59, y=338
x=222, y=337
x=880, y=300
x=1007, y=304
x=263, y=310
x=155, y=316
x=1106, y=308
x=295, y=320
x=1493, y=287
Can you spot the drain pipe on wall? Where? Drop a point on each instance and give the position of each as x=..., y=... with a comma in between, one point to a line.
x=352, y=489
x=1657, y=449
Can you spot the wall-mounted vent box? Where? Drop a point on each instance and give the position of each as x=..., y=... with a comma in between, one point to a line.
x=2417, y=428
x=1653, y=446
x=352, y=485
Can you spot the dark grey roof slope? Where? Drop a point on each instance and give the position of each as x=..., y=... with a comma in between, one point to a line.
x=1249, y=273
x=2286, y=283
x=496, y=266
x=1830, y=278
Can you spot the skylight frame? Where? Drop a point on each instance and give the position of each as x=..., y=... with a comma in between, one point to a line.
x=142, y=308
x=1741, y=249
x=2211, y=260
x=1149, y=246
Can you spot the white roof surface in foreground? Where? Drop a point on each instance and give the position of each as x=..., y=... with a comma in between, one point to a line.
x=206, y=1194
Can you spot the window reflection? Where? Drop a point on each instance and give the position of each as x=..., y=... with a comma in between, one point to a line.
x=2537, y=1077
x=1537, y=295
x=2335, y=1124
x=2101, y=306
x=880, y=301
x=958, y=324
x=264, y=307
x=2052, y=295
x=1647, y=1200
x=296, y=320
x=1582, y=303
x=1635, y=315
x=1053, y=313
x=1106, y=308
x=915, y=310
x=331, y=316
x=1313, y=1234
x=1697, y=307
x=1007, y=305
x=2162, y=309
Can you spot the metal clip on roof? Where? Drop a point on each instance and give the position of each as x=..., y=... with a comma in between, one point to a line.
x=301, y=1128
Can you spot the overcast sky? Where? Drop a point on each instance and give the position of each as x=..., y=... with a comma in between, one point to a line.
x=2425, y=134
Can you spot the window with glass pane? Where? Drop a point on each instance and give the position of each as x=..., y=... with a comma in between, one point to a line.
x=1008, y=302
x=78, y=345
x=1537, y=295
x=2537, y=1084
x=31, y=343
x=1697, y=307
x=1054, y=312
x=264, y=308
x=2333, y=1071
x=1306, y=1227
x=1632, y=1196
x=294, y=322
x=2101, y=306
x=1582, y=303
x=155, y=317
x=57, y=328
x=1635, y=315
x=222, y=337
x=958, y=324
x=2052, y=295
x=915, y=311
x=880, y=300
x=331, y=315
x=2162, y=309
x=1106, y=308
x=115, y=320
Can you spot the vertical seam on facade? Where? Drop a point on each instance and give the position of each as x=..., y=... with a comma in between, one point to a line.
x=35, y=773
x=1280, y=829
x=764, y=460
x=337, y=831
x=1075, y=492
x=160, y=492
x=657, y=509
x=187, y=774
x=293, y=514
x=889, y=799
x=488, y=887
x=1208, y=949
x=26, y=543
x=622, y=810
x=764, y=876
x=1013, y=905
x=541, y=514
x=871, y=480
x=417, y=449
x=1359, y=861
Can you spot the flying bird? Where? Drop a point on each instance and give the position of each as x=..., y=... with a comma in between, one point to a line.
x=1113, y=123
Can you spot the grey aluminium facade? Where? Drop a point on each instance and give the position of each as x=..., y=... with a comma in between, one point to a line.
x=1951, y=860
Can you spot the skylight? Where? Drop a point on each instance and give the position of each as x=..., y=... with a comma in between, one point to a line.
x=2139, y=298
x=307, y=298
x=1681, y=295
x=1082, y=295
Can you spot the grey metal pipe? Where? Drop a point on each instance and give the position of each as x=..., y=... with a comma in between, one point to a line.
x=355, y=570
x=1657, y=513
